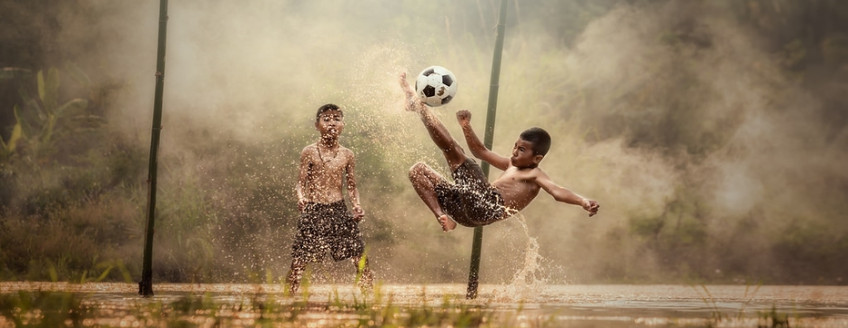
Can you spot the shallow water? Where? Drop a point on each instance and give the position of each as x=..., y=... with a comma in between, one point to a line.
x=531, y=306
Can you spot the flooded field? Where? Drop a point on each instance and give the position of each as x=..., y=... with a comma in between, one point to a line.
x=241, y=305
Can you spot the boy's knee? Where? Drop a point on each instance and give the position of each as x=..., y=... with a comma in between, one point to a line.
x=417, y=169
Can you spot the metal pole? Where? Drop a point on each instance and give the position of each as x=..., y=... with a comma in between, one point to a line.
x=473, y=274
x=145, y=286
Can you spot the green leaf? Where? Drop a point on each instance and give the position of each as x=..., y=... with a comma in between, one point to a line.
x=74, y=104
x=17, y=133
x=48, y=89
x=47, y=131
x=104, y=274
x=54, y=276
x=13, y=140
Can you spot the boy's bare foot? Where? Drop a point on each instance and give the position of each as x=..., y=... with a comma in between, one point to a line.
x=413, y=102
x=446, y=222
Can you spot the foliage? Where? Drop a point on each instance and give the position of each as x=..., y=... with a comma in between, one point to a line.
x=8, y=148
x=52, y=309
x=45, y=117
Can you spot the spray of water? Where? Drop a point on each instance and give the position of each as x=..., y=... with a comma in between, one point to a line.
x=530, y=279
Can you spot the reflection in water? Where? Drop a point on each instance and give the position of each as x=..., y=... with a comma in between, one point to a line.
x=572, y=305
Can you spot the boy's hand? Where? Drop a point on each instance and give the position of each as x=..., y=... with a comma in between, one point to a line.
x=591, y=206
x=301, y=204
x=463, y=117
x=358, y=213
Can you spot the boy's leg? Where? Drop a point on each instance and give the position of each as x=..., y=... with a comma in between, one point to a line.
x=366, y=278
x=440, y=135
x=295, y=274
x=424, y=181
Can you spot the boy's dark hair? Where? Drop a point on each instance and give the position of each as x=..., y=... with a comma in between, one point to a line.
x=540, y=139
x=325, y=108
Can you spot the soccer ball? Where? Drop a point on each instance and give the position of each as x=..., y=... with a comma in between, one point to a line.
x=436, y=85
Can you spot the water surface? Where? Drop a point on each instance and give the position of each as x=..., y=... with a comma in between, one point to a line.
x=117, y=304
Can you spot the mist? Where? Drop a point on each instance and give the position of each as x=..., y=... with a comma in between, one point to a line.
x=715, y=152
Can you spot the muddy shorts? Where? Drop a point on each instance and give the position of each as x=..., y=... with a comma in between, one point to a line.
x=471, y=201
x=327, y=228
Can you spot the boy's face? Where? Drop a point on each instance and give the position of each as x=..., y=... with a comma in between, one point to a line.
x=522, y=155
x=330, y=123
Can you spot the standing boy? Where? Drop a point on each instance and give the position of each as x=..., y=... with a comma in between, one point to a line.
x=325, y=223
x=471, y=201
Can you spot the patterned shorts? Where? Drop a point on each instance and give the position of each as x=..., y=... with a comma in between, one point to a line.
x=470, y=201
x=327, y=228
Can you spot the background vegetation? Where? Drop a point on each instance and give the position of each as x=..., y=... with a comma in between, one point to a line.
x=712, y=132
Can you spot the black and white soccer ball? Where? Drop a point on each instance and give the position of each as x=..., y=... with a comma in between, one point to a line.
x=436, y=85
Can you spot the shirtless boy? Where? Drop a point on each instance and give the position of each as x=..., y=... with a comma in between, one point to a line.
x=470, y=200
x=325, y=223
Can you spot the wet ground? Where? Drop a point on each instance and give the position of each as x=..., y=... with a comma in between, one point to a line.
x=111, y=304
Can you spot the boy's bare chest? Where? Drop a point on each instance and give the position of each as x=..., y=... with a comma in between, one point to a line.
x=333, y=166
x=517, y=181
x=517, y=190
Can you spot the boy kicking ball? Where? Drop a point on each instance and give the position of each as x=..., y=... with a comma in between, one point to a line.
x=471, y=200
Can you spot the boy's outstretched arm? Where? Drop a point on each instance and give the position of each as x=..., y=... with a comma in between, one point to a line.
x=477, y=148
x=561, y=194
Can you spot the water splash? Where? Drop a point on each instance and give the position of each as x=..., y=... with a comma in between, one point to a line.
x=529, y=281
